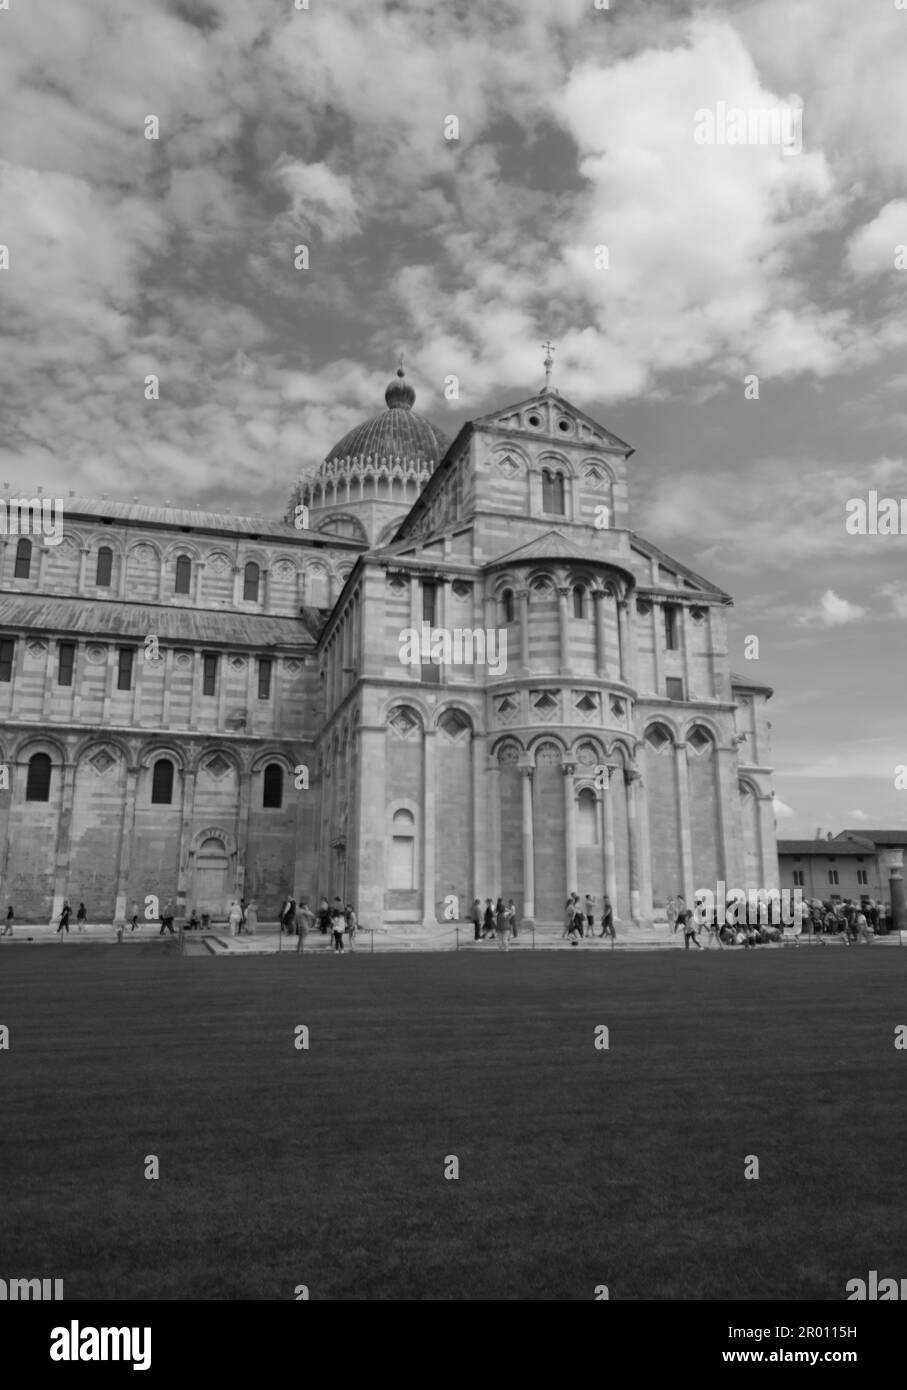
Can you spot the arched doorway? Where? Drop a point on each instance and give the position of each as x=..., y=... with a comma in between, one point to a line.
x=211, y=879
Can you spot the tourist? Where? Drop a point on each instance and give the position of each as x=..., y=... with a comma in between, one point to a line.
x=352, y=923
x=568, y=919
x=590, y=913
x=242, y=917
x=167, y=918
x=511, y=917
x=234, y=917
x=338, y=923
x=8, y=924
x=194, y=923
x=689, y=930
x=305, y=919
x=608, y=919
x=64, y=919
x=324, y=917
x=80, y=917
x=579, y=920
x=135, y=916
x=477, y=919
x=501, y=924
x=488, y=921
x=671, y=913
x=864, y=932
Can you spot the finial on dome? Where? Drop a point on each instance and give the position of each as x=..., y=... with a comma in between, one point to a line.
x=549, y=363
x=399, y=394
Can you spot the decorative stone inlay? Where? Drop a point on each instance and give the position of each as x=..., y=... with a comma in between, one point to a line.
x=217, y=765
x=548, y=755
x=183, y=659
x=508, y=754
x=96, y=655
x=102, y=760
x=238, y=663
x=36, y=646
x=292, y=666
x=404, y=722
x=461, y=588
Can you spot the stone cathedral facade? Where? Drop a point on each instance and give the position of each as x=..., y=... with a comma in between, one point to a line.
x=201, y=706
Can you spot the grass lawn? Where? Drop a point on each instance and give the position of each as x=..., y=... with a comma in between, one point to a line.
x=577, y=1167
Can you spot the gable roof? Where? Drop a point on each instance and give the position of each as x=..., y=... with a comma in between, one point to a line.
x=552, y=545
x=499, y=418
x=876, y=837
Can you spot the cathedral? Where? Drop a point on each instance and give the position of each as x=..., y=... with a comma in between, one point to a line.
x=203, y=706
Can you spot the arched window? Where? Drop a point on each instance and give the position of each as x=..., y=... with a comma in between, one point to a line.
x=552, y=491
x=37, y=788
x=162, y=782
x=23, y=559
x=250, y=582
x=183, y=574
x=403, y=850
x=507, y=604
x=272, y=796
x=586, y=818
x=105, y=567
x=579, y=601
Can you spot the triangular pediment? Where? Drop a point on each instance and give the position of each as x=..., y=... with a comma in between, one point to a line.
x=551, y=545
x=549, y=416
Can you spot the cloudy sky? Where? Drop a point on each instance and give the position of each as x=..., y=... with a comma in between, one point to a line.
x=326, y=127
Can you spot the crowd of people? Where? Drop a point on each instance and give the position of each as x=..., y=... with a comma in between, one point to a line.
x=335, y=919
x=855, y=922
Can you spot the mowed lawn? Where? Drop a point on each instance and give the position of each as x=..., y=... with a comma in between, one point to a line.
x=577, y=1167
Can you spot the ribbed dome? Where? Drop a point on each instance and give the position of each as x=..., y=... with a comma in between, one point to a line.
x=397, y=433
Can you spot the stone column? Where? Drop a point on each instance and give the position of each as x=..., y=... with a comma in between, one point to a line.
x=631, y=629
x=598, y=598
x=242, y=830
x=608, y=850
x=53, y=655
x=631, y=779
x=493, y=772
x=685, y=628
x=187, y=813
x=237, y=586
x=683, y=822
x=480, y=839
x=124, y=563
x=264, y=581
x=563, y=612
x=109, y=679
x=428, y=829
x=64, y=832
x=893, y=861
x=83, y=562
x=528, y=848
x=198, y=573
x=645, y=850
x=523, y=596
x=168, y=684
x=621, y=611
x=570, y=826
x=127, y=837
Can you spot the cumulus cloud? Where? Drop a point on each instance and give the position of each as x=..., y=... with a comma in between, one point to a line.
x=871, y=248
x=858, y=815
x=782, y=810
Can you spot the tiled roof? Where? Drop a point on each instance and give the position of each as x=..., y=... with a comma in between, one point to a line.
x=877, y=837
x=835, y=848
x=138, y=512
x=137, y=620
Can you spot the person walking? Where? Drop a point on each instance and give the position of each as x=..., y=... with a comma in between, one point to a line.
x=252, y=918
x=338, y=923
x=511, y=917
x=134, y=920
x=477, y=919
x=193, y=924
x=242, y=917
x=671, y=913
x=8, y=924
x=167, y=918
x=590, y=913
x=64, y=918
x=488, y=920
x=579, y=921
x=81, y=914
x=234, y=917
x=608, y=920
x=568, y=919
x=352, y=924
x=501, y=924
x=324, y=917
x=305, y=921
x=689, y=930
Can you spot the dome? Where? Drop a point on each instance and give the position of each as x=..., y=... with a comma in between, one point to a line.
x=397, y=433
